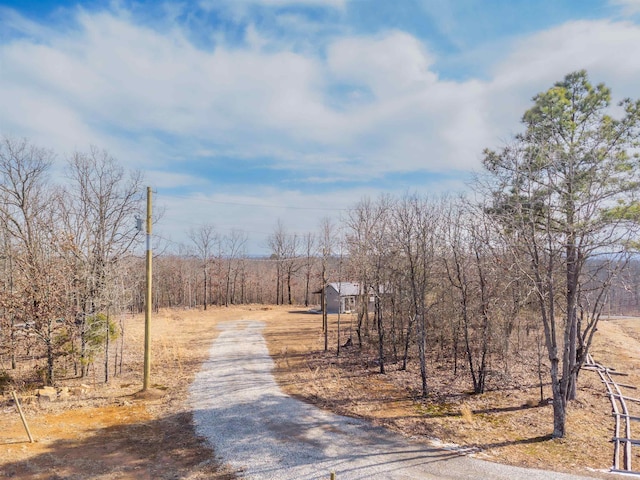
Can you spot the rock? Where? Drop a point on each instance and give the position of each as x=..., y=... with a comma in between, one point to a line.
x=77, y=391
x=47, y=394
x=47, y=398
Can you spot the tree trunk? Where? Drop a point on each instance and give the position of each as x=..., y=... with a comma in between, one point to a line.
x=205, y=289
x=106, y=351
x=306, y=288
x=380, y=327
x=228, y=294
x=50, y=363
x=423, y=357
x=559, y=404
x=407, y=342
x=569, y=367
x=13, y=344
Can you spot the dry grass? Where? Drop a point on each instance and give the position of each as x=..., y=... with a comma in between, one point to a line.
x=509, y=426
x=112, y=432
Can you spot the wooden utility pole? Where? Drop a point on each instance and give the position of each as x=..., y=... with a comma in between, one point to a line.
x=22, y=417
x=148, y=300
x=323, y=299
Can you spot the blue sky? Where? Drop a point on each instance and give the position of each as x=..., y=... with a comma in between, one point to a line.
x=243, y=112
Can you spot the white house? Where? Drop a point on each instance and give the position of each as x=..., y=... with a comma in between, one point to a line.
x=342, y=297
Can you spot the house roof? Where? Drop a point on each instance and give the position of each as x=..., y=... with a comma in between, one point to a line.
x=346, y=289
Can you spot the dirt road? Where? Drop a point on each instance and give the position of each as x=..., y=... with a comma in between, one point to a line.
x=265, y=434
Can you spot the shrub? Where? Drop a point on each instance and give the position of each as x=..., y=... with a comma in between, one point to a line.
x=5, y=380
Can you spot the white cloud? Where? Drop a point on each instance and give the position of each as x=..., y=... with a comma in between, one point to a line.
x=163, y=179
x=629, y=7
x=239, y=11
x=326, y=3
x=538, y=61
x=113, y=74
x=602, y=47
x=395, y=64
x=153, y=98
x=211, y=4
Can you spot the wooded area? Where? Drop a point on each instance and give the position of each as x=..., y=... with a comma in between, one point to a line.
x=522, y=275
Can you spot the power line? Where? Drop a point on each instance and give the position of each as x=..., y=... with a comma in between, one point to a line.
x=175, y=216
x=258, y=205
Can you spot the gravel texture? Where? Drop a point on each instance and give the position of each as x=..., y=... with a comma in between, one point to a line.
x=264, y=434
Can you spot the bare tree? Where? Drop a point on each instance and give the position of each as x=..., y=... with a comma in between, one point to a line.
x=204, y=240
x=469, y=266
x=326, y=245
x=40, y=296
x=309, y=243
x=369, y=242
x=234, y=245
x=415, y=229
x=278, y=244
x=7, y=299
x=291, y=264
x=98, y=210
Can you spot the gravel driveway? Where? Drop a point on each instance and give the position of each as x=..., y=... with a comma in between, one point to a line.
x=265, y=434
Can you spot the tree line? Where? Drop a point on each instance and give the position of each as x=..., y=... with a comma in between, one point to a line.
x=522, y=267
x=64, y=252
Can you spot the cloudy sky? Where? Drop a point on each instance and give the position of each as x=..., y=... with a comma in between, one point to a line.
x=241, y=113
